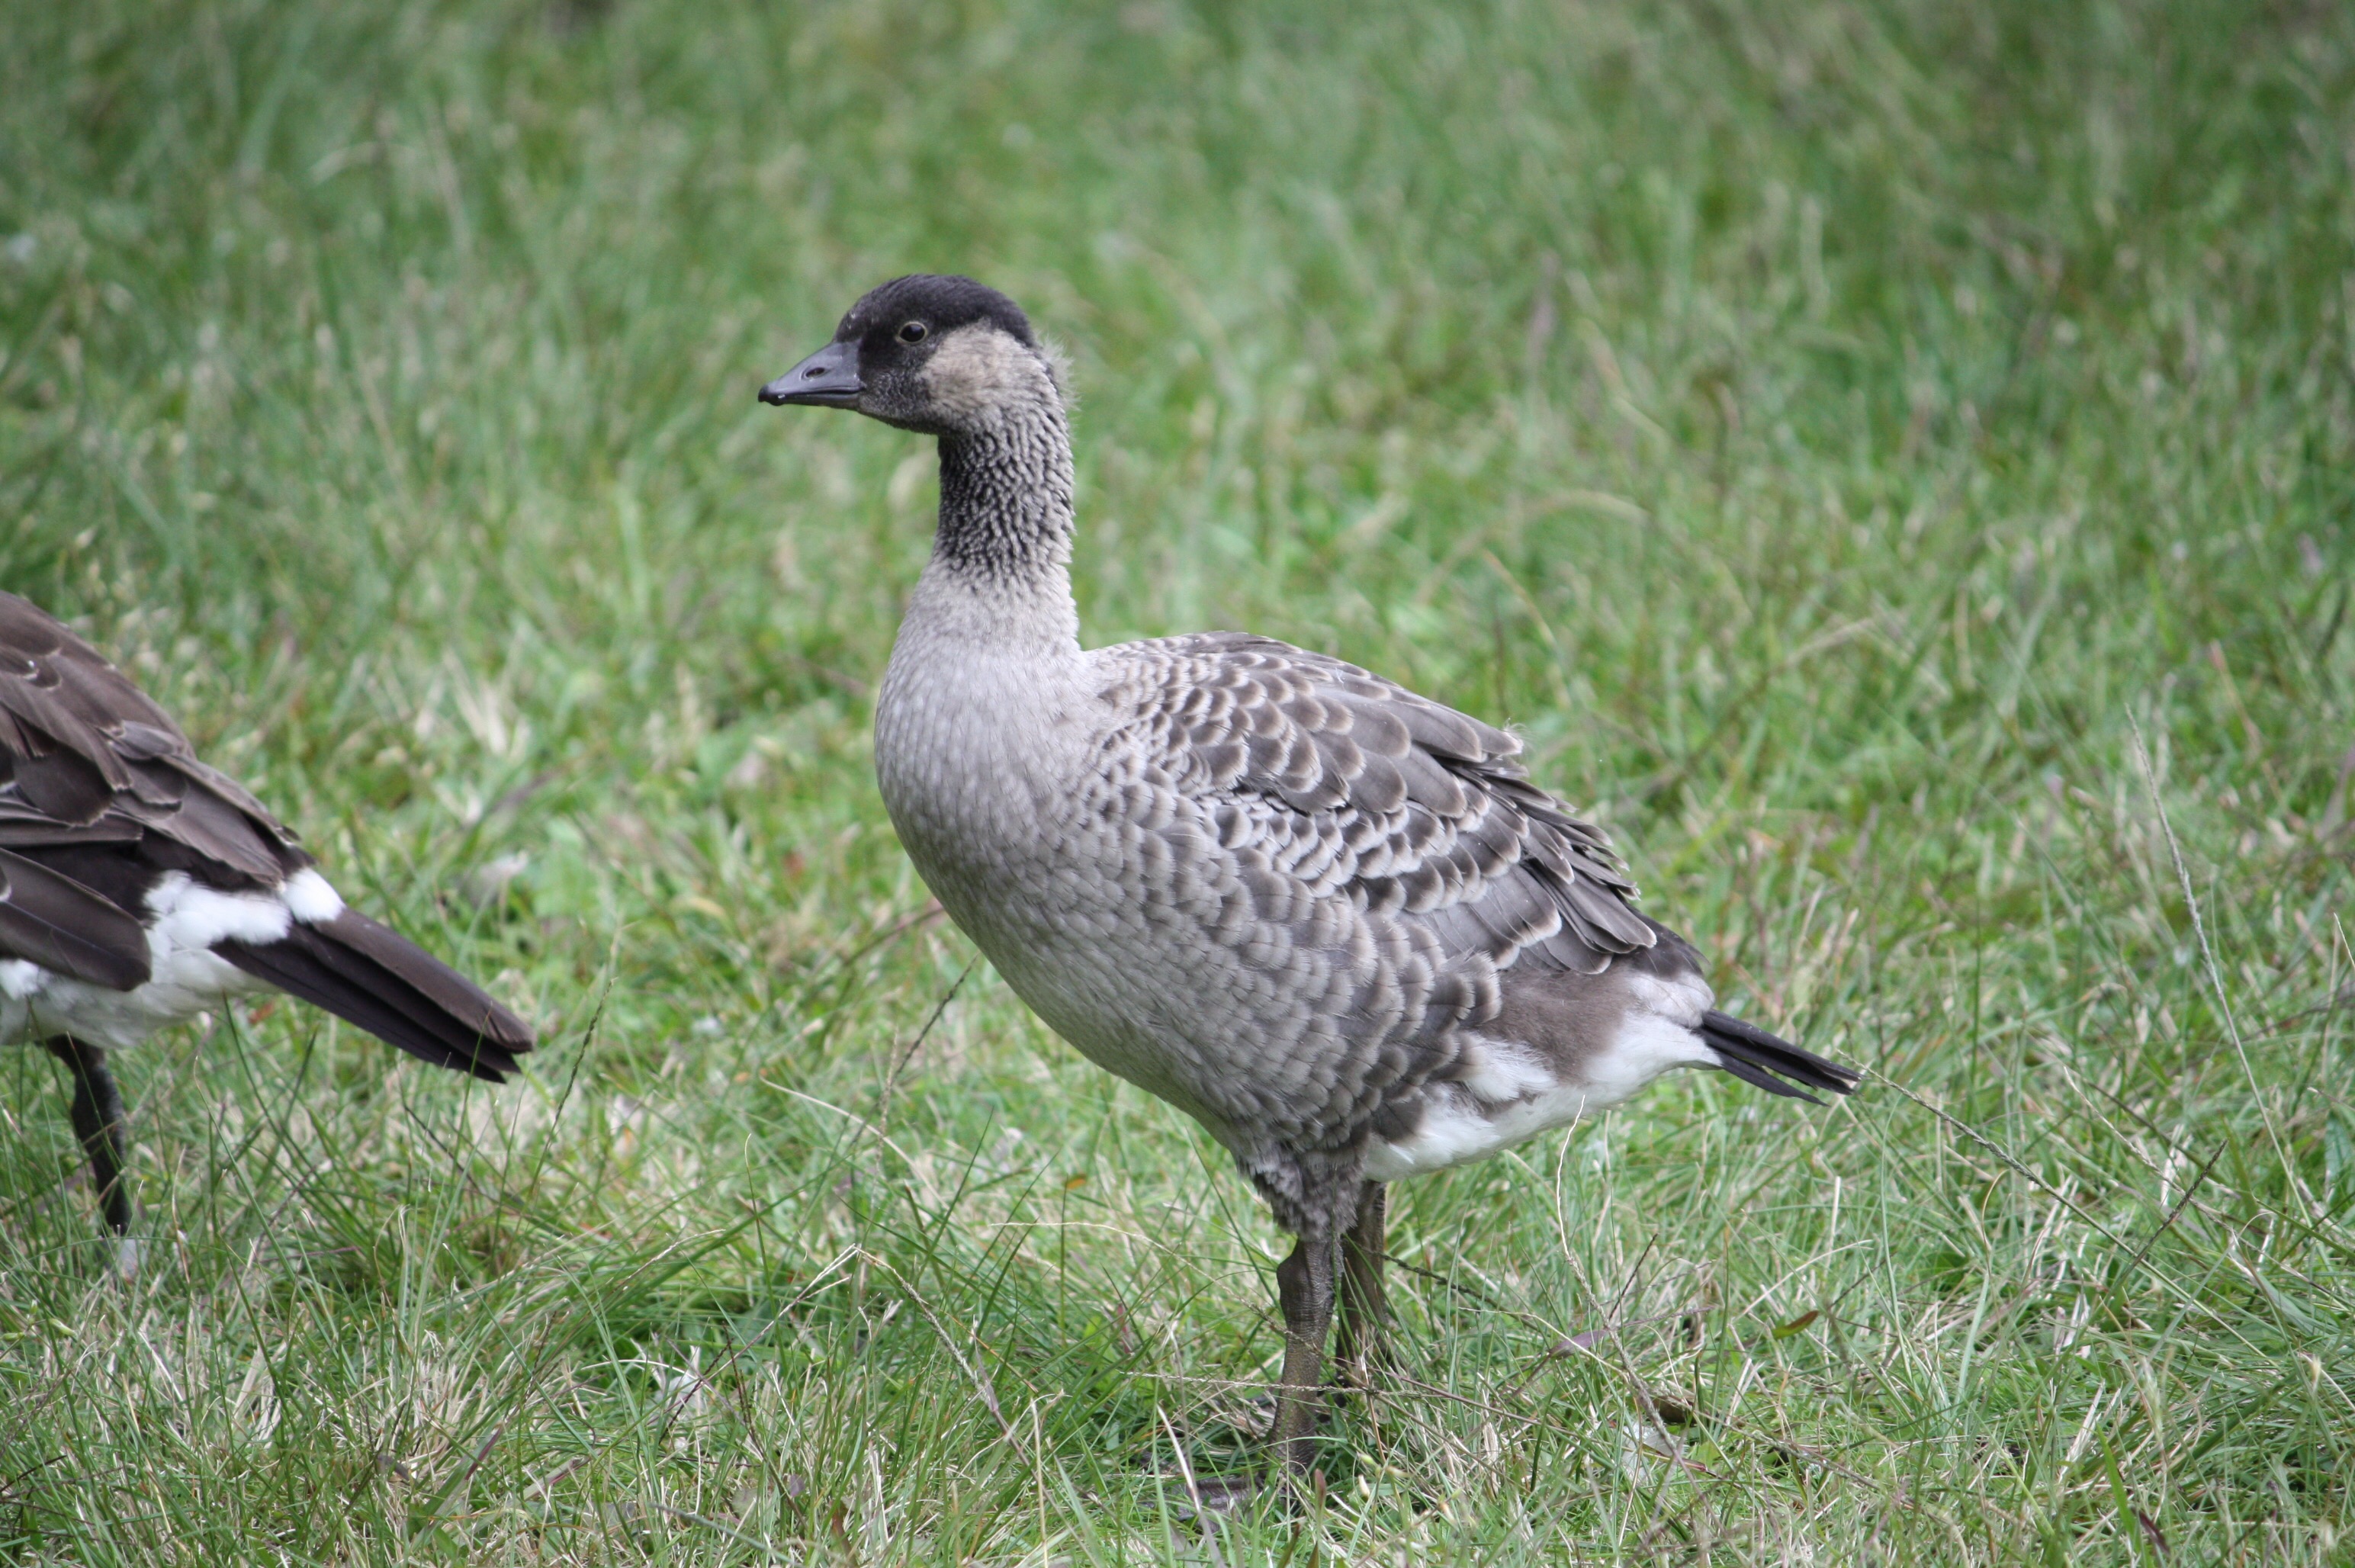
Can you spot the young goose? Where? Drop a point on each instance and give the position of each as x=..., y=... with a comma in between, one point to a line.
x=1331, y=920
x=139, y=887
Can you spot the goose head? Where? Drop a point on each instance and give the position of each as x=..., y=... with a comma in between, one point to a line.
x=941, y=355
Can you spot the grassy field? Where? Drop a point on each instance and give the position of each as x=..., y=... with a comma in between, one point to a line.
x=1895, y=462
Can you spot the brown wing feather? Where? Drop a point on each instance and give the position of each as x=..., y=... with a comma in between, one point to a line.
x=83, y=743
x=57, y=692
x=64, y=926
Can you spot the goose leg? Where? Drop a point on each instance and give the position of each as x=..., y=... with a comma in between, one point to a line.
x=1305, y=1288
x=1358, y=1339
x=97, y=1123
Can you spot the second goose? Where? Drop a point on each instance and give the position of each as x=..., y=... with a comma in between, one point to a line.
x=139, y=886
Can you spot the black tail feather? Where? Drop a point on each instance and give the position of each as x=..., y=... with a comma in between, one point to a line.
x=368, y=975
x=1753, y=1055
x=477, y=1014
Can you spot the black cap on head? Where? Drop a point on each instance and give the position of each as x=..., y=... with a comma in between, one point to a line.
x=942, y=302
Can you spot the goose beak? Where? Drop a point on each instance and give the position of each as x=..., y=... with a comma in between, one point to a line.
x=827, y=379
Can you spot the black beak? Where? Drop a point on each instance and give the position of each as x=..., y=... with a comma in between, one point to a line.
x=827, y=379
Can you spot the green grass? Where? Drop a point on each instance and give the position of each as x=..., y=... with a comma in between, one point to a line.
x=1848, y=439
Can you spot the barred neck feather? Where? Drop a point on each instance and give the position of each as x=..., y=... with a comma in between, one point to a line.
x=1004, y=543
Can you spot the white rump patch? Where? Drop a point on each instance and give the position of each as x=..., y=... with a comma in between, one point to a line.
x=309, y=898
x=1506, y=1072
x=1682, y=999
x=188, y=915
x=20, y=981
x=1511, y=1095
x=1645, y=1046
x=21, y=977
x=1454, y=1130
x=185, y=919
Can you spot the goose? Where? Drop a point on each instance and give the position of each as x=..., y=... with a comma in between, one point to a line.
x=1331, y=920
x=140, y=887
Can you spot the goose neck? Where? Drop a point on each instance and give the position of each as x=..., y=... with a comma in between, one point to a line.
x=1006, y=497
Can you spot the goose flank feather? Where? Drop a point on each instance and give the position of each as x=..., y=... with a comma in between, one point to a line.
x=1332, y=919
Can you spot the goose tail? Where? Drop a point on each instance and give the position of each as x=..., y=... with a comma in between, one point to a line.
x=370, y=975
x=1753, y=1055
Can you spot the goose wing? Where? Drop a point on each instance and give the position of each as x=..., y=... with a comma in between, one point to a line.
x=87, y=758
x=1323, y=775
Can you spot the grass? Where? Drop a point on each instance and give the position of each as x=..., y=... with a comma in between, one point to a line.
x=1895, y=462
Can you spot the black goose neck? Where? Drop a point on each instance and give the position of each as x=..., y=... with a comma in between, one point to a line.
x=1006, y=497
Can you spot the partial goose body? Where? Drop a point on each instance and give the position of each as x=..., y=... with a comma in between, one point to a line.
x=140, y=887
x=1332, y=919
x=1329, y=918
x=182, y=925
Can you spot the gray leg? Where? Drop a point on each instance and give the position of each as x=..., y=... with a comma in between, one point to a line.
x=97, y=1123
x=1358, y=1341
x=1304, y=1287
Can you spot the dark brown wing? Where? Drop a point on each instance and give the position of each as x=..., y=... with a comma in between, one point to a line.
x=1343, y=778
x=84, y=754
x=67, y=927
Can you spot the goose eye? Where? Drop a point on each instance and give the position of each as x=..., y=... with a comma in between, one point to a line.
x=913, y=332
